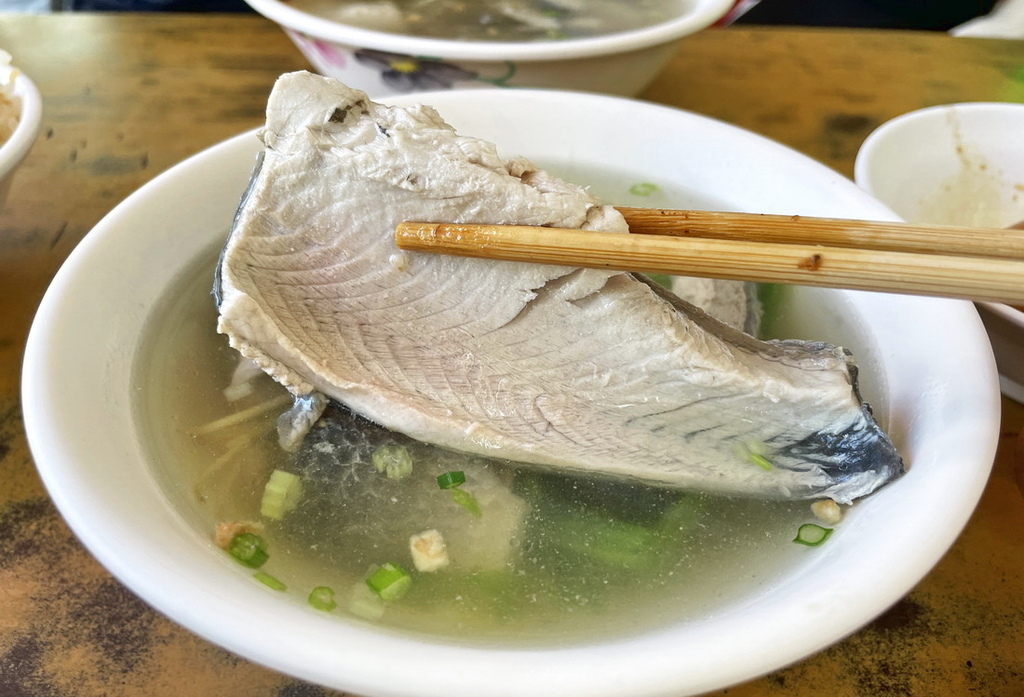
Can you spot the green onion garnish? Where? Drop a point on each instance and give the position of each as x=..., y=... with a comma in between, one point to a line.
x=760, y=460
x=662, y=279
x=754, y=453
x=643, y=189
x=393, y=460
x=322, y=598
x=390, y=582
x=451, y=480
x=466, y=500
x=812, y=535
x=364, y=602
x=281, y=494
x=249, y=549
x=269, y=581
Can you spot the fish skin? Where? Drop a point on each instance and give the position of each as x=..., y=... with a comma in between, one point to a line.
x=583, y=370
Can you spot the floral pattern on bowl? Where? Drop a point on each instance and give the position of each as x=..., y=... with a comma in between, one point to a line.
x=411, y=74
x=397, y=73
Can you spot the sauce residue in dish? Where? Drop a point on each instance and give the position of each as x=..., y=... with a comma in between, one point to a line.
x=978, y=194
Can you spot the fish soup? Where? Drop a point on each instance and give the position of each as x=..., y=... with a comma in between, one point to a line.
x=496, y=20
x=369, y=524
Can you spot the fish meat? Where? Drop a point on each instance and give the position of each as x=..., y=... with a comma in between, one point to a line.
x=582, y=370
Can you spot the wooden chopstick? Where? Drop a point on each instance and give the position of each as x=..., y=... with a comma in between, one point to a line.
x=972, y=263
x=834, y=232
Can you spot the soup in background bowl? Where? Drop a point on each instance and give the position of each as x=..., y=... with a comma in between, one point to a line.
x=97, y=406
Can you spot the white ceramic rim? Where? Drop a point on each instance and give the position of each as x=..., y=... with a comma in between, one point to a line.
x=703, y=14
x=17, y=146
x=216, y=599
x=1010, y=360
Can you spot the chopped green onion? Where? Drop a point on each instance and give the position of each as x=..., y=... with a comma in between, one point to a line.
x=754, y=452
x=451, y=480
x=364, y=602
x=662, y=279
x=811, y=534
x=269, y=581
x=390, y=582
x=643, y=189
x=466, y=500
x=281, y=494
x=249, y=549
x=322, y=598
x=393, y=460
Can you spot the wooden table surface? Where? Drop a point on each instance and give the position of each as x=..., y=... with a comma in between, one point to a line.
x=126, y=96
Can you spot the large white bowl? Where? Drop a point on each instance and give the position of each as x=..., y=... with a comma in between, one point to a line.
x=957, y=164
x=384, y=64
x=926, y=361
x=15, y=148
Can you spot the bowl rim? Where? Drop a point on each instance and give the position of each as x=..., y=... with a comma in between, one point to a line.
x=222, y=613
x=14, y=150
x=702, y=15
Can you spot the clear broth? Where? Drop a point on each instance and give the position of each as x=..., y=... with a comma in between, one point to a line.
x=496, y=20
x=716, y=551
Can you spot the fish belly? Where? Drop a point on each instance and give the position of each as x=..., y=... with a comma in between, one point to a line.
x=582, y=370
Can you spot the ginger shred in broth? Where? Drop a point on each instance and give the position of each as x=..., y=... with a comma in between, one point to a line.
x=530, y=558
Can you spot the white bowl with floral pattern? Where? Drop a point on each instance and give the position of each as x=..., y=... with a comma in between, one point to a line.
x=384, y=64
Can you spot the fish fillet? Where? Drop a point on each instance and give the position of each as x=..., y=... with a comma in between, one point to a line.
x=582, y=370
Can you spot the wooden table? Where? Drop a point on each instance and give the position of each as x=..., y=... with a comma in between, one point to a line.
x=127, y=96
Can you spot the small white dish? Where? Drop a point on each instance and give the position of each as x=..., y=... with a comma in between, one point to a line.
x=926, y=363
x=957, y=164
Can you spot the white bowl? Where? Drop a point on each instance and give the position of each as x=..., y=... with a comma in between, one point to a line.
x=387, y=64
x=15, y=148
x=927, y=365
x=957, y=164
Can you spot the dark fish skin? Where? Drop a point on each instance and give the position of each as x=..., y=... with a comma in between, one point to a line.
x=862, y=449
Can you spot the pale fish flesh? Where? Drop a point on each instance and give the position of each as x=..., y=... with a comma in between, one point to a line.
x=581, y=370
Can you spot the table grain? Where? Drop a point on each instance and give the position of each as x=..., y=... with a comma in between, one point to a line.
x=128, y=95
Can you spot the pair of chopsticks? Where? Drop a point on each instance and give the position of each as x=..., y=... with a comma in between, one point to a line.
x=960, y=262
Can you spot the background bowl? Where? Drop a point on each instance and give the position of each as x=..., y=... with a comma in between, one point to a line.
x=940, y=406
x=386, y=64
x=14, y=150
x=957, y=164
